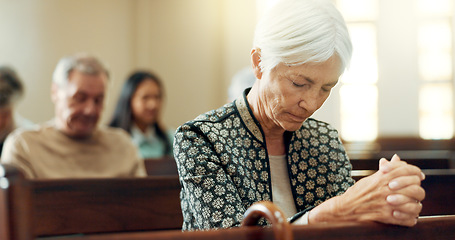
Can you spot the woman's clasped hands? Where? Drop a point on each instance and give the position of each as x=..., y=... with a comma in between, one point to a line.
x=392, y=195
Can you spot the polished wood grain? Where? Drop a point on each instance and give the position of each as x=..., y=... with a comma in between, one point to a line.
x=165, y=166
x=71, y=206
x=427, y=228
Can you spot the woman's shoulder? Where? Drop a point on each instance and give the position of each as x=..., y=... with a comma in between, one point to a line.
x=312, y=123
x=315, y=128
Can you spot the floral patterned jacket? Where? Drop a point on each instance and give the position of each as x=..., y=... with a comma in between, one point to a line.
x=223, y=166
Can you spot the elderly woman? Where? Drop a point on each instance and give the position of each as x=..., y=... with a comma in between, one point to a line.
x=265, y=146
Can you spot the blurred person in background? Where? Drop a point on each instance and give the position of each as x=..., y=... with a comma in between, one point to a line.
x=138, y=112
x=72, y=145
x=242, y=80
x=11, y=91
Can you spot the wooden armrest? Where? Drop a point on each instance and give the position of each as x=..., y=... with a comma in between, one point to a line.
x=281, y=227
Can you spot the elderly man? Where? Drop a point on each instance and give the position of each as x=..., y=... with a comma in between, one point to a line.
x=72, y=145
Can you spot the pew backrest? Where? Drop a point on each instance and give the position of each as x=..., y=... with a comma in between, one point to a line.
x=165, y=166
x=424, y=159
x=72, y=206
x=437, y=227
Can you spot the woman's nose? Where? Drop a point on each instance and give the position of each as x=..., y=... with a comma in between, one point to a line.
x=310, y=101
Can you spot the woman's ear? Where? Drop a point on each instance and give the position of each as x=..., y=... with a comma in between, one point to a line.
x=255, y=60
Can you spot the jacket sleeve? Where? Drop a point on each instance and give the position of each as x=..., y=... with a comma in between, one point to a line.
x=209, y=198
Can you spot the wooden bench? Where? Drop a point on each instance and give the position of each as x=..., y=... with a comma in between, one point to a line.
x=32, y=208
x=132, y=208
x=398, y=144
x=424, y=159
x=165, y=166
x=436, y=227
x=440, y=228
x=439, y=185
x=424, y=153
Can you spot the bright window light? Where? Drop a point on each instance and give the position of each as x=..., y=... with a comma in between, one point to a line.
x=359, y=112
x=435, y=36
x=436, y=111
x=358, y=10
x=435, y=67
x=358, y=93
x=364, y=66
x=435, y=7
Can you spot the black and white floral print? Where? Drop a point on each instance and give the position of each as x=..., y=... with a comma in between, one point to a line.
x=224, y=168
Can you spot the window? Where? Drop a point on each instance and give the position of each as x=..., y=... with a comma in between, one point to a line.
x=358, y=91
x=435, y=40
x=434, y=48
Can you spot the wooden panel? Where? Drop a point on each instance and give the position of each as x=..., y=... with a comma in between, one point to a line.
x=423, y=163
x=400, y=143
x=426, y=154
x=15, y=218
x=105, y=205
x=439, y=186
x=134, y=206
x=70, y=206
x=161, y=166
x=441, y=228
x=4, y=214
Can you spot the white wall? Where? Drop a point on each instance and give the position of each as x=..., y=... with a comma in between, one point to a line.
x=36, y=34
x=398, y=79
x=196, y=46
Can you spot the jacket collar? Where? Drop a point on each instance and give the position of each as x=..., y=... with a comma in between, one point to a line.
x=246, y=114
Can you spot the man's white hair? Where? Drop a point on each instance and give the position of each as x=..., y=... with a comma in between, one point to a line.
x=81, y=62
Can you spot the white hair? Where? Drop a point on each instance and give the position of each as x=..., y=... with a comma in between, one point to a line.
x=295, y=32
x=81, y=62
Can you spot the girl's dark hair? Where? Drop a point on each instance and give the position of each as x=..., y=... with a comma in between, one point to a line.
x=123, y=116
x=11, y=87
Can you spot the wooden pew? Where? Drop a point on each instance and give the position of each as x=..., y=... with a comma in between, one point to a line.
x=99, y=206
x=440, y=228
x=70, y=206
x=424, y=159
x=436, y=227
x=399, y=144
x=426, y=154
x=439, y=185
x=164, y=166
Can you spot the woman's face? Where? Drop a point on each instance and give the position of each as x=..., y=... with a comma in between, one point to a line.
x=146, y=102
x=290, y=94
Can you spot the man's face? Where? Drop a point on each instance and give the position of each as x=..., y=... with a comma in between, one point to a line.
x=78, y=104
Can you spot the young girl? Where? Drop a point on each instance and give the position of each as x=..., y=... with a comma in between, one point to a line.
x=138, y=112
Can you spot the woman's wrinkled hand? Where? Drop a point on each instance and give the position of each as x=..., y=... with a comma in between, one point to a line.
x=392, y=195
